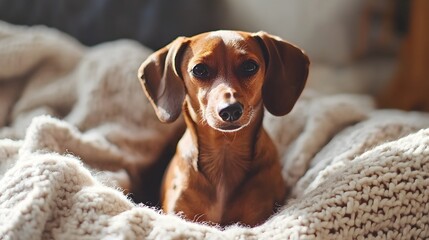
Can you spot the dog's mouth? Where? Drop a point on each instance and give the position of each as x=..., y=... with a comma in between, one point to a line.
x=230, y=128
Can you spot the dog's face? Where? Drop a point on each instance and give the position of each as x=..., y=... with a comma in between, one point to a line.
x=223, y=73
x=226, y=77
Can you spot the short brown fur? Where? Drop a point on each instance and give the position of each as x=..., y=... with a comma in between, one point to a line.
x=224, y=171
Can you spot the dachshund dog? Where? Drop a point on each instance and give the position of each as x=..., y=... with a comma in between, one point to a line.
x=226, y=168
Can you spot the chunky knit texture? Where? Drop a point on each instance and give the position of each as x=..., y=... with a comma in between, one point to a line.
x=73, y=118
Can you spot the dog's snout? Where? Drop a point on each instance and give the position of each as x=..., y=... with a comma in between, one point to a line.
x=231, y=112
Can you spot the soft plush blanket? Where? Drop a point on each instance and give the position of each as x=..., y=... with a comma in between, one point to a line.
x=76, y=131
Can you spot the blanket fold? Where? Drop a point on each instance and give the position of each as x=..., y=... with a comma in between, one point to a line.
x=76, y=134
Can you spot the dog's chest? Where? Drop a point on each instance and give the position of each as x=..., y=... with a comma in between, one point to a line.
x=227, y=168
x=220, y=168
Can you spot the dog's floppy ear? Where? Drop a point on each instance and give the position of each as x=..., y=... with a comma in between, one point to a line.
x=286, y=73
x=161, y=80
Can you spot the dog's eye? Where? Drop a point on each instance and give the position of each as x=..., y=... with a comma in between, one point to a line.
x=249, y=67
x=201, y=71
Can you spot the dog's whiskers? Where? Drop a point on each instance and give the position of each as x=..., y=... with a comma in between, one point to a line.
x=203, y=119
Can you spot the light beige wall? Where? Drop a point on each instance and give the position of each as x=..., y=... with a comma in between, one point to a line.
x=326, y=29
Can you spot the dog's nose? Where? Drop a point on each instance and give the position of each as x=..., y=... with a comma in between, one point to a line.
x=232, y=112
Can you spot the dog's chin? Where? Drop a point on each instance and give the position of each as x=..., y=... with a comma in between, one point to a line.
x=229, y=127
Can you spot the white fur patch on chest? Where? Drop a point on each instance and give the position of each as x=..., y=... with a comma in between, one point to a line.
x=228, y=37
x=175, y=192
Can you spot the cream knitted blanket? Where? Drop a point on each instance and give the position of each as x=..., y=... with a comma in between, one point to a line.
x=74, y=124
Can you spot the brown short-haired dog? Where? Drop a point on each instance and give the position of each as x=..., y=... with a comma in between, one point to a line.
x=226, y=168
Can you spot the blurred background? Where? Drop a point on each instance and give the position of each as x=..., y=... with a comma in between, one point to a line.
x=376, y=47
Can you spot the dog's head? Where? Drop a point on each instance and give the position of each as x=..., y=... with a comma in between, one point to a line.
x=226, y=77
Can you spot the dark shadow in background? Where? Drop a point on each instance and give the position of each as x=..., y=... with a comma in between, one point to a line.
x=153, y=23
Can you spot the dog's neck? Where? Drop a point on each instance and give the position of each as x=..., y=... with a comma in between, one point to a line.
x=223, y=158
